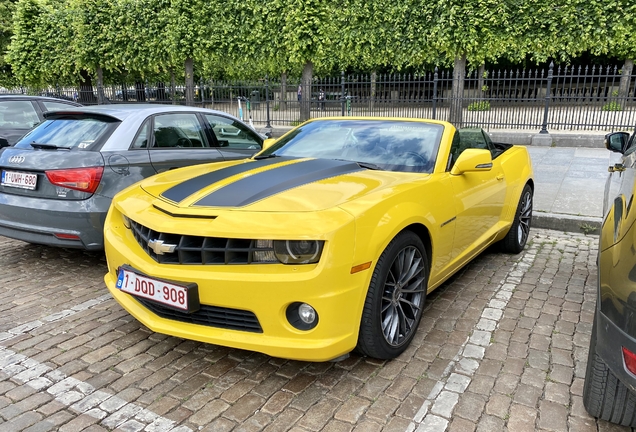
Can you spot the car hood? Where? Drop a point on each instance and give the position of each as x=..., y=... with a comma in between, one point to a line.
x=278, y=184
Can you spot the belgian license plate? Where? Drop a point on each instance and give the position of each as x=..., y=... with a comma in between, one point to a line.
x=19, y=180
x=181, y=297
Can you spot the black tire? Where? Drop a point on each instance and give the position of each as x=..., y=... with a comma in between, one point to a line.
x=517, y=237
x=395, y=300
x=604, y=396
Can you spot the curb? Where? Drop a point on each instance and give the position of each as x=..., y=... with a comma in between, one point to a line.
x=567, y=223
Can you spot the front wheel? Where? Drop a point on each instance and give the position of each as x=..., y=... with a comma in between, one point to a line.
x=395, y=299
x=517, y=237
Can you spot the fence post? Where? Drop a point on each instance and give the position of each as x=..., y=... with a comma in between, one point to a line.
x=342, y=93
x=268, y=125
x=544, y=126
x=202, y=92
x=435, y=77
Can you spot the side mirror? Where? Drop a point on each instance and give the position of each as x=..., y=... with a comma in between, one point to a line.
x=617, y=141
x=471, y=160
x=268, y=143
x=4, y=142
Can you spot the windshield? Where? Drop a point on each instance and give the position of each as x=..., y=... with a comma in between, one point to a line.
x=80, y=133
x=391, y=145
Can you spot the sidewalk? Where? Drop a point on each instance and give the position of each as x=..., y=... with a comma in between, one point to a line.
x=569, y=187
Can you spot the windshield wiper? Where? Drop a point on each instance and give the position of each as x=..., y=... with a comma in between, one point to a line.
x=47, y=146
x=368, y=165
x=266, y=156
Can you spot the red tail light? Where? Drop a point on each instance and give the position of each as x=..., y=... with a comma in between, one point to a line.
x=81, y=179
x=630, y=360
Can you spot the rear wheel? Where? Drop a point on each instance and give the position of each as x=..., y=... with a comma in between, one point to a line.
x=395, y=300
x=604, y=396
x=517, y=237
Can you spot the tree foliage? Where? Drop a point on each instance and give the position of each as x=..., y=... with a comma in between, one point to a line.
x=55, y=40
x=7, y=8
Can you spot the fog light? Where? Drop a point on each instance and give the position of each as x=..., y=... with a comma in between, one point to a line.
x=302, y=316
x=306, y=313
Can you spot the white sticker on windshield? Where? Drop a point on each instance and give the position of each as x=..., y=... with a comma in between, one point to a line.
x=85, y=144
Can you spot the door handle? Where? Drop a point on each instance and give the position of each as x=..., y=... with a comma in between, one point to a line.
x=500, y=177
x=617, y=168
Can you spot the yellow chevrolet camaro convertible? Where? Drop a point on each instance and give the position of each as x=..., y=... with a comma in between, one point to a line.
x=326, y=241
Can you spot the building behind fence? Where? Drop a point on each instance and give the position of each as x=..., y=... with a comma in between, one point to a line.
x=554, y=98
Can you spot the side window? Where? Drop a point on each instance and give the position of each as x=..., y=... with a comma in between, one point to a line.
x=181, y=130
x=52, y=106
x=232, y=134
x=18, y=115
x=141, y=141
x=455, y=151
x=631, y=145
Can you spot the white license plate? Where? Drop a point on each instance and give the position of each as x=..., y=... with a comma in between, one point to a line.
x=19, y=179
x=156, y=290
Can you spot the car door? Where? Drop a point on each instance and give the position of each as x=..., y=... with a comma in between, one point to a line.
x=179, y=139
x=17, y=117
x=617, y=248
x=235, y=140
x=479, y=197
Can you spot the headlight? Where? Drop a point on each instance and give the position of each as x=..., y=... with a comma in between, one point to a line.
x=126, y=221
x=298, y=251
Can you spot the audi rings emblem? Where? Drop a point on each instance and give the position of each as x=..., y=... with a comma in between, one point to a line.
x=16, y=159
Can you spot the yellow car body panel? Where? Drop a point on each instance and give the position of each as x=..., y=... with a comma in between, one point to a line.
x=356, y=214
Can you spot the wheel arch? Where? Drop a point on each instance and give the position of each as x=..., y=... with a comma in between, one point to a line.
x=424, y=234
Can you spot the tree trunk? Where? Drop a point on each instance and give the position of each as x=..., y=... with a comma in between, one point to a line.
x=100, y=87
x=124, y=92
x=626, y=78
x=305, y=104
x=86, y=95
x=140, y=91
x=189, y=77
x=457, y=92
x=374, y=78
x=480, y=81
x=173, y=87
x=283, y=91
x=161, y=91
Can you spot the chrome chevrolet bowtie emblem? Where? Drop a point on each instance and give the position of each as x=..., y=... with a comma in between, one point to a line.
x=16, y=159
x=160, y=248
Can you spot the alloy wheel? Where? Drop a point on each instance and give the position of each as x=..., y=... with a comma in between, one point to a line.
x=525, y=216
x=403, y=296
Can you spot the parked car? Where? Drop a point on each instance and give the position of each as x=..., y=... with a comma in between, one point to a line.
x=326, y=241
x=58, y=180
x=609, y=392
x=19, y=113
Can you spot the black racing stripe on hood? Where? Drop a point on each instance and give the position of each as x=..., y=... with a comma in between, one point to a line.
x=183, y=190
x=265, y=184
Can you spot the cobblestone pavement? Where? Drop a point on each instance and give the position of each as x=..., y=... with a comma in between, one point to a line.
x=502, y=346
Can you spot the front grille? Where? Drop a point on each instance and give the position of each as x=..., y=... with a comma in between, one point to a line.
x=203, y=250
x=212, y=316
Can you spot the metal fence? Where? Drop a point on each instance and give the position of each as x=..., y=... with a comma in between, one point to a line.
x=555, y=98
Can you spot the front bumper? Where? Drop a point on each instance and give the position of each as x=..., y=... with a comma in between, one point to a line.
x=36, y=220
x=266, y=290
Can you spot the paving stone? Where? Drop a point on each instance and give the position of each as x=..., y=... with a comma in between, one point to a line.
x=532, y=323
x=498, y=405
x=470, y=406
x=552, y=416
x=352, y=409
x=522, y=418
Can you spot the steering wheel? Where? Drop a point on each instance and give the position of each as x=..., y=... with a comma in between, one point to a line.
x=184, y=142
x=418, y=156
